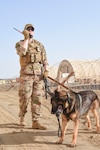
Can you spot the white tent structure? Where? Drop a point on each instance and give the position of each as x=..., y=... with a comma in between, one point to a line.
x=84, y=71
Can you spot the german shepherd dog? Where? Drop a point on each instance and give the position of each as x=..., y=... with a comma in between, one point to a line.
x=72, y=105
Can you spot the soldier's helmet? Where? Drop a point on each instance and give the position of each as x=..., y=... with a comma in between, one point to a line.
x=28, y=25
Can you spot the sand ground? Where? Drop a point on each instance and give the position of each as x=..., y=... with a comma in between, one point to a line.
x=14, y=137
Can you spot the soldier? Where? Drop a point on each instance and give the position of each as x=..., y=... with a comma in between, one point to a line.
x=33, y=64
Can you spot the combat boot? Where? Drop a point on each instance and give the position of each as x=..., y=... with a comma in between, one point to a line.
x=37, y=125
x=22, y=123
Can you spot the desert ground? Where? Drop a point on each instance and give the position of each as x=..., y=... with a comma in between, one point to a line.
x=15, y=137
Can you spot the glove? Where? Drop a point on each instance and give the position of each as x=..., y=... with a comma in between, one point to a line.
x=45, y=75
x=26, y=34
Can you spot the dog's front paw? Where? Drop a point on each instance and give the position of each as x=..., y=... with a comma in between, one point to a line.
x=72, y=144
x=59, y=141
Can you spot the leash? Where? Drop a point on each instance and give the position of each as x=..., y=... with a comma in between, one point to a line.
x=59, y=129
x=58, y=83
x=47, y=88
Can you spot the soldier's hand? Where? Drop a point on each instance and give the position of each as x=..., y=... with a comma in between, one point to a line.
x=26, y=34
x=46, y=73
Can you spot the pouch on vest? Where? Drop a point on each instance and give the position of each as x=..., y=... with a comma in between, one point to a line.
x=38, y=57
x=32, y=58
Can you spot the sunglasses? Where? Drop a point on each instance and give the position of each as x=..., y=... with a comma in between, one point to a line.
x=30, y=28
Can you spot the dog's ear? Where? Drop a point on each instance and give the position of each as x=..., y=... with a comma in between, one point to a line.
x=54, y=96
x=56, y=93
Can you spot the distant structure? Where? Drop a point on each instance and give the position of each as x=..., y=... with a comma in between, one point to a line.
x=85, y=71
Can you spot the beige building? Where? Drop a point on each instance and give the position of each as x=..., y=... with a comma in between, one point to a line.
x=84, y=71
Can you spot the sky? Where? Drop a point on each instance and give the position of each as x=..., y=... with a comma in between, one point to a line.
x=68, y=29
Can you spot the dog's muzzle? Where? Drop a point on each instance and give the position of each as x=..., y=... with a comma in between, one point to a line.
x=59, y=111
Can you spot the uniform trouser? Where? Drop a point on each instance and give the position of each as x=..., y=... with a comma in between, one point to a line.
x=31, y=89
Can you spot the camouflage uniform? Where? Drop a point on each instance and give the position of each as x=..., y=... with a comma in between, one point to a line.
x=31, y=83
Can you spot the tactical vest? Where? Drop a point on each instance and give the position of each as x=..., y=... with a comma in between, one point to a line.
x=33, y=55
x=31, y=62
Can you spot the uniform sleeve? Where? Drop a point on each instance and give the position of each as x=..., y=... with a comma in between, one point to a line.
x=20, y=48
x=44, y=55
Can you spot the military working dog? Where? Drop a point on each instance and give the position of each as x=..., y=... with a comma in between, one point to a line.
x=72, y=105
